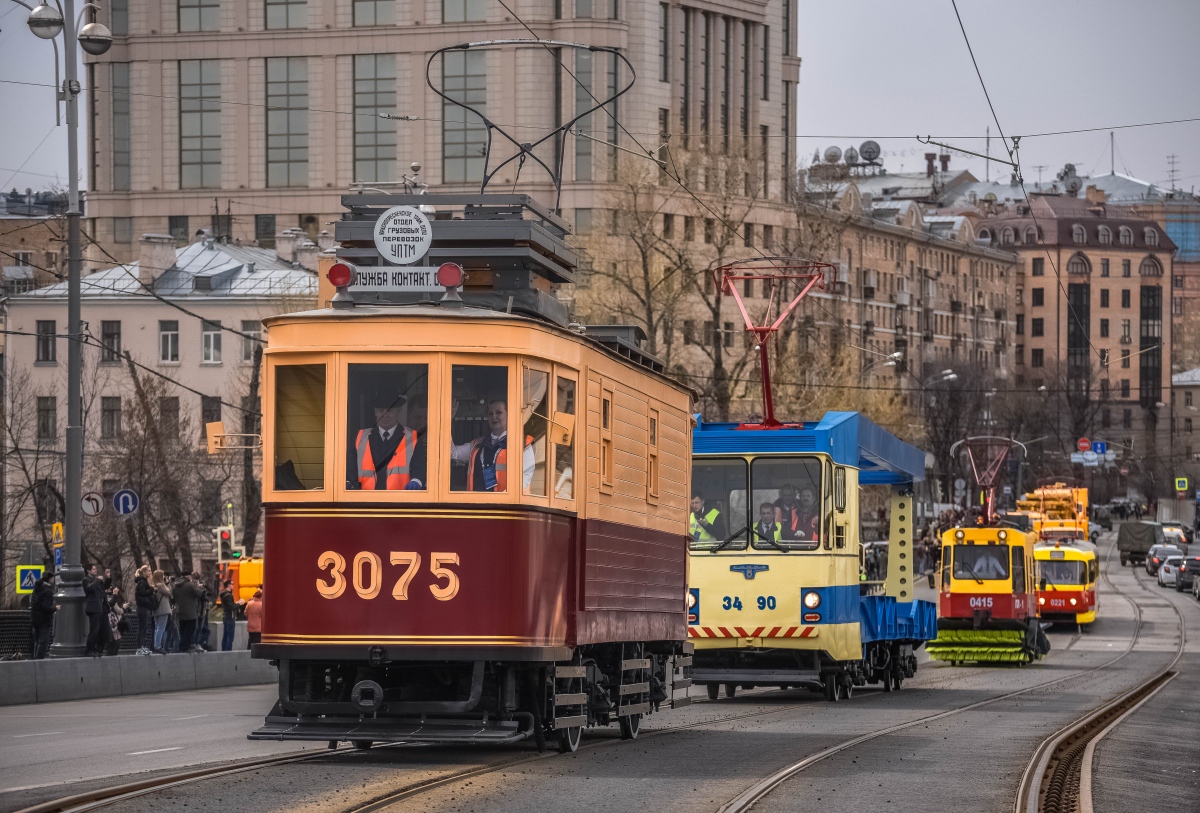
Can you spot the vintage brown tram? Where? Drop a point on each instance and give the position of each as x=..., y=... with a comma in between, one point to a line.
x=475, y=512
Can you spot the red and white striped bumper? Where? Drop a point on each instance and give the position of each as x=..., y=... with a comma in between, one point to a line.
x=758, y=632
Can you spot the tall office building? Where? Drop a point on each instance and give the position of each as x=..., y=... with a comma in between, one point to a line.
x=251, y=117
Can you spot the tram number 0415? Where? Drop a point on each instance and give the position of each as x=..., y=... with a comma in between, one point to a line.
x=981, y=601
x=366, y=574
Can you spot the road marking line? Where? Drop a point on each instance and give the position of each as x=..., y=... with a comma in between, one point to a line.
x=193, y=717
x=43, y=734
x=154, y=751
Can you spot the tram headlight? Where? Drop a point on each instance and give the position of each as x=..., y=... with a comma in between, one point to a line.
x=1003, y=534
x=959, y=534
x=1041, y=599
x=1073, y=602
x=812, y=599
x=691, y=600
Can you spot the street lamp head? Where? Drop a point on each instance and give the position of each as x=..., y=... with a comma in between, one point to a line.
x=1042, y=388
x=45, y=22
x=897, y=355
x=951, y=377
x=947, y=372
x=95, y=38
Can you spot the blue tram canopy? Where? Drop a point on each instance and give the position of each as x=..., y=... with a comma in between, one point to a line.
x=848, y=437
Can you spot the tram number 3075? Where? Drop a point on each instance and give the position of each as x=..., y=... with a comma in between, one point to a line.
x=366, y=574
x=735, y=603
x=981, y=601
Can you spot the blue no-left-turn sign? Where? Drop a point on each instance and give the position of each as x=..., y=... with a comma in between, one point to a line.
x=125, y=502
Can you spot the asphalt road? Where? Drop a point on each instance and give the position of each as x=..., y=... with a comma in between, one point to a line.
x=696, y=758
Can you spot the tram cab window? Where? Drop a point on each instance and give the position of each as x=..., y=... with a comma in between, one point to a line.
x=1061, y=572
x=564, y=453
x=981, y=562
x=479, y=444
x=535, y=414
x=718, y=515
x=299, y=427
x=387, y=416
x=793, y=487
x=1018, y=569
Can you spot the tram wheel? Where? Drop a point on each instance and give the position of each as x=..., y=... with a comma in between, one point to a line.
x=363, y=745
x=568, y=739
x=730, y=690
x=847, y=689
x=831, y=688
x=897, y=680
x=887, y=681
x=714, y=690
x=631, y=724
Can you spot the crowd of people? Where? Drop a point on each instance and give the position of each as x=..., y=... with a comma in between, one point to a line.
x=172, y=613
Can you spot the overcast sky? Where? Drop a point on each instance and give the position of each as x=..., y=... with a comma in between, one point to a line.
x=877, y=68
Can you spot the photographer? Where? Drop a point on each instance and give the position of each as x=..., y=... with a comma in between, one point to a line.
x=117, y=624
x=96, y=607
x=188, y=595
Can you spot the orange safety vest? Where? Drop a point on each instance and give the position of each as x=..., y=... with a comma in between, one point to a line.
x=501, y=464
x=397, y=468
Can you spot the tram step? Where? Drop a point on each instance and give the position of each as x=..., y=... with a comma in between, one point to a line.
x=640, y=708
x=570, y=671
x=681, y=683
x=636, y=663
x=680, y=702
x=634, y=688
x=683, y=661
x=570, y=699
x=569, y=722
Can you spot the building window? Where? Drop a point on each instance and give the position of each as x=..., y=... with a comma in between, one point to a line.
x=110, y=417
x=668, y=227
x=287, y=121
x=110, y=342
x=464, y=78
x=199, y=123
x=1103, y=328
x=122, y=148
x=1037, y=357
x=1078, y=265
x=1187, y=424
x=251, y=338
x=1019, y=355
x=1020, y=324
x=47, y=417
x=210, y=342
x=374, y=12
x=210, y=409
x=1030, y=235
x=1126, y=236
x=689, y=228
x=1177, y=306
x=583, y=221
x=1038, y=297
x=1104, y=267
x=1187, y=398
x=583, y=101
x=1104, y=297
x=1152, y=239
x=168, y=341
x=464, y=11
x=766, y=64
x=748, y=235
x=118, y=17
x=200, y=15
x=1039, y=266
x=1124, y=387
x=1007, y=237
x=583, y=9
x=1105, y=236
x=1150, y=267
x=1125, y=359
x=1079, y=234
x=287, y=14
x=374, y=136
x=1037, y=327
x=1127, y=418
x=177, y=227
x=1125, y=330
x=664, y=42
x=264, y=230
x=1104, y=359
x=168, y=415
x=122, y=229
x=47, y=346
x=1125, y=298
x=1126, y=268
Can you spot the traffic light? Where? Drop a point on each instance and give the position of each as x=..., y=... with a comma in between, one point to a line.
x=227, y=551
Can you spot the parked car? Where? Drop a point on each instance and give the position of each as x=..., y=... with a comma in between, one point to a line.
x=1186, y=579
x=1170, y=525
x=1168, y=571
x=1158, y=554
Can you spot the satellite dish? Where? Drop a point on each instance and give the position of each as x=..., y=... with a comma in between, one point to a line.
x=851, y=155
x=833, y=155
x=1072, y=184
x=869, y=151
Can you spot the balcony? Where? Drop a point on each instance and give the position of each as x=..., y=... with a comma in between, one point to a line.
x=1126, y=340
x=902, y=298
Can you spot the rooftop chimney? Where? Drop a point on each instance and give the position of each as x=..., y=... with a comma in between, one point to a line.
x=306, y=254
x=1096, y=195
x=156, y=255
x=930, y=157
x=945, y=159
x=325, y=240
x=285, y=244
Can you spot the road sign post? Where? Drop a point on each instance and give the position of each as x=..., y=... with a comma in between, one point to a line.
x=26, y=576
x=125, y=502
x=1084, y=445
x=92, y=504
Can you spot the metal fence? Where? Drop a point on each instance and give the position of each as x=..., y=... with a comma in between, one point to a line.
x=16, y=634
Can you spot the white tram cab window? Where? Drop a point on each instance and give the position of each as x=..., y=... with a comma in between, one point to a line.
x=564, y=453
x=718, y=518
x=387, y=414
x=791, y=487
x=481, y=453
x=299, y=432
x=535, y=413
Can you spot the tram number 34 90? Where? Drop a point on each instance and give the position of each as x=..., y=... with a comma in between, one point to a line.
x=366, y=574
x=735, y=603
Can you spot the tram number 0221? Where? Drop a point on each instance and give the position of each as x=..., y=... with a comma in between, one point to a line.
x=735, y=603
x=366, y=574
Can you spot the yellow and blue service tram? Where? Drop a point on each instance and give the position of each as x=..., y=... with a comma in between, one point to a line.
x=775, y=591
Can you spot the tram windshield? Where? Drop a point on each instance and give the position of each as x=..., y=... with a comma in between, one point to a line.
x=387, y=414
x=718, y=518
x=981, y=562
x=777, y=507
x=1061, y=572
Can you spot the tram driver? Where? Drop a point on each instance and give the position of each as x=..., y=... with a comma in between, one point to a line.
x=487, y=457
x=705, y=526
x=389, y=455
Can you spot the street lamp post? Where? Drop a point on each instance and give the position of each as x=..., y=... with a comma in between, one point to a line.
x=48, y=22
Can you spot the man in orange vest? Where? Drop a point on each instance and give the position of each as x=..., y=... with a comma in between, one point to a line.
x=487, y=457
x=386, y=454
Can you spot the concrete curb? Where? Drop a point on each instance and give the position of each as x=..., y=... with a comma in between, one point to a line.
x=48, y=681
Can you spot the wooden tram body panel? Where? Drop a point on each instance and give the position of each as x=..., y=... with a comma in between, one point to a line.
x=536, y=576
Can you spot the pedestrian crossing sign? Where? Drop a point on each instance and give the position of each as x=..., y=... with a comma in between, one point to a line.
x=26, y=576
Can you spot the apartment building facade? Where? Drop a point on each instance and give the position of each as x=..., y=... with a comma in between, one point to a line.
x=247, y=118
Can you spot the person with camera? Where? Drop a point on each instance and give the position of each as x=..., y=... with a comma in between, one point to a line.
x=228, y=616
x=146, y=601
x=189, y=595
x=117, y=623
x=41, y=614
x=162, y=611
x=96, y=607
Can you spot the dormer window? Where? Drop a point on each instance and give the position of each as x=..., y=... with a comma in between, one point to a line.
x=1079, y=234
x=1126, y=236
x=985, y=234
x=1078, y=265
x=1031, y=235
x=1151, y=237
x=1150, y=267
x=1105, y=236
x=1006, y=237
